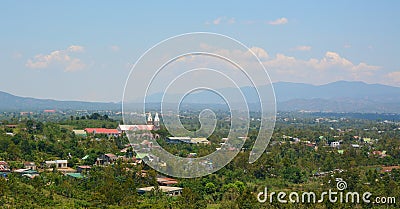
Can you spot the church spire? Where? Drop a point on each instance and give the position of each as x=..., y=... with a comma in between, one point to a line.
x=149, y=119
x=156, y=120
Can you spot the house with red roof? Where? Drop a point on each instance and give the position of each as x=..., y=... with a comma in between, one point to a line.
x=4, y=167
x=389, y=168
x=166, y=181
x=106, y=131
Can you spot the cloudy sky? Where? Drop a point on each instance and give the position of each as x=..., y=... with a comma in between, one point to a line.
x=84, y=50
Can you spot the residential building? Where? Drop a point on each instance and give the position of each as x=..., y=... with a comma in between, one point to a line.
x=108, y=132
x=57, y=163
x=335, y=144
x=30, y=165
x=106, y=159
x=381, y=154
x=4, y=167
x=171, y=191
x=199, y=141
x=81, y=133
x=389, y=168
x=166, y=181
x=12, y=126
x=83, y=168
x=175, y=140
x=27, y=172
x=188, y=140
x=75, y=175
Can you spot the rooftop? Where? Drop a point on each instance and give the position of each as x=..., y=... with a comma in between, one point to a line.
x=75, y=175
x=136, y=127
x=101, y=131
x=162, y=188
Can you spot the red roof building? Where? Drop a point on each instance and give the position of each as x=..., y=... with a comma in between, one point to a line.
x=166, y=181
x=4, y=167
x=389, y=168
x=109, y=132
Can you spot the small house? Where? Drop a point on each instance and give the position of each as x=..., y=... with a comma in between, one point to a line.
x=106, y=159
x=170, y=191
x=4, y=167
x=30, y=165
x=83, y=168
x=57, y=163
x=335, y=144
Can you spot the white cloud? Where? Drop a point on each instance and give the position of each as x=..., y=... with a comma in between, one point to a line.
x=57, y=58
x=114, y=48
x=347, y=46
x=231, y=21
x=17, y=55
x=74, y=65
x=75, y=48
x=393, y=78
x=331, y=67
x=223, y=20
x=260, y=53
x=279, y=21
x=328, y=67
x=302, y=48
x=217, y=21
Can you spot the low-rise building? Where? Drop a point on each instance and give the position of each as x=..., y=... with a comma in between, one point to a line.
x=386, y=169
x=4, y=167
x=380, y=154
x=166, y=181
x=176, y=140
x=29, y=173
x=81, y=133
x=335, y=144
x=171, y=191
x=106, y=131
x=199, y=141
x=57, y=163
x=106, y=159
x=30, y=165
x=187, y=140
x=75, y=175
x=83, y=168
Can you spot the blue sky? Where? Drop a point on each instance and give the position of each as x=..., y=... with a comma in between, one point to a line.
x=84, y=50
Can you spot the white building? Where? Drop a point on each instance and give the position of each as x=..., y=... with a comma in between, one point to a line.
x=57, y=163
x=335, y=144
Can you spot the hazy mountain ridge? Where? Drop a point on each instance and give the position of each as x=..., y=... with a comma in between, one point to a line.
x=340, y=96
x=9, y=102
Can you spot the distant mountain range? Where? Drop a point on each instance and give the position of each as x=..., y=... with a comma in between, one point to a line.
x=340, y=96
x=9, y=102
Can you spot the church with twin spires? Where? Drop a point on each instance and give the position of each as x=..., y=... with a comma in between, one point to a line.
x=152, y=124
